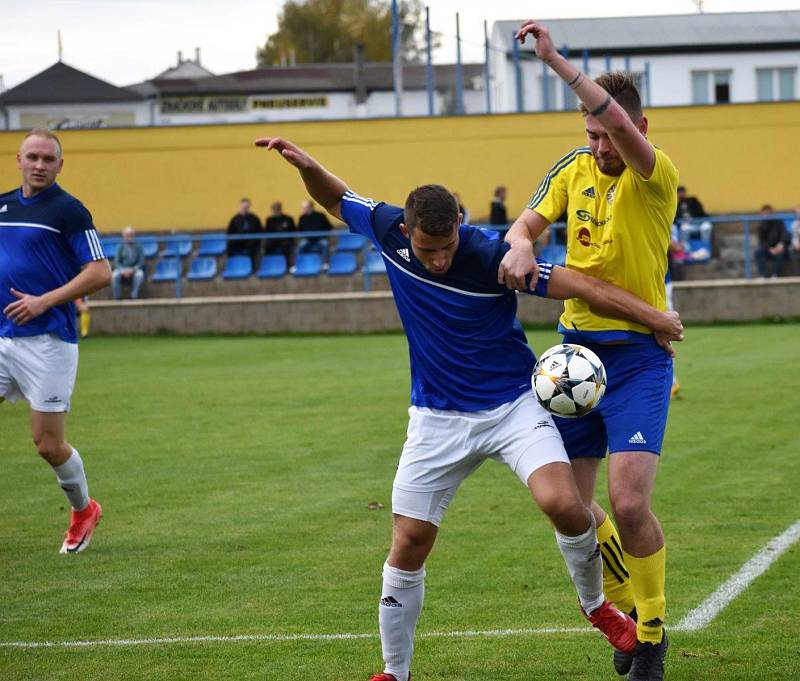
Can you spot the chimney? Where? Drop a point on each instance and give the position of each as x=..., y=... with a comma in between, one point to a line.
x=197, y=56
x=180, y=57
x=358, y=73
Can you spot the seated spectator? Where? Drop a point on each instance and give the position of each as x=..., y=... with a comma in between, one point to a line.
x=497, y=211
x=688, y=215
x=128, y=265
x=313, y=221
x=771, y=251
x=244, y=222
x=794, y=232
x=278, y=221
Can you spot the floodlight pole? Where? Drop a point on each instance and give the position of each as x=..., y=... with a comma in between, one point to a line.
x=397, y=65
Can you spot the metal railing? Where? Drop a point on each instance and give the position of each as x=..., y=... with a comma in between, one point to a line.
x=171, y=242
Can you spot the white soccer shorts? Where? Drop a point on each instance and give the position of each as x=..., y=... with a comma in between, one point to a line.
x=443, y=447
x=40, y=369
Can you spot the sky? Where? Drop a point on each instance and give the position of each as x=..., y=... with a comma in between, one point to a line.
x=128, y=41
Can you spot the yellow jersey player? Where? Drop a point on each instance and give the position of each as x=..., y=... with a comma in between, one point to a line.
x=619, y=193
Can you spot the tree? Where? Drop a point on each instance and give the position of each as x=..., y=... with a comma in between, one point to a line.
x=314, y=31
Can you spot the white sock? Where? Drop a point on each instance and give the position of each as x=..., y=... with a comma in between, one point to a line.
x=585, y=566
x=72, y=479
x=401, y=603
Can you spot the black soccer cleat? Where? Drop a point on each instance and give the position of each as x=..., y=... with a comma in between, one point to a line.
x=623, y=660
x=648, y=660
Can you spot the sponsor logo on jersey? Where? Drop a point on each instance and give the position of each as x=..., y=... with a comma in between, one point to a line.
x=584, y=237
x=403, y=253
x=391, y=602
x=586, y=216
x=589, y=191
x=637, y=439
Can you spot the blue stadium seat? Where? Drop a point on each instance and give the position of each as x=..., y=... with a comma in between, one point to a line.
x=149, y=246
x=181, y=248
x=374, y=263
x=238, y=267
x=272, y=267
x=698, y=251
x=212, y=244
x=342, y=264
x=110, y=245
x=555, y=254
x=202, y=268
x=167, y=269
x=350, y=243
x=308, y=265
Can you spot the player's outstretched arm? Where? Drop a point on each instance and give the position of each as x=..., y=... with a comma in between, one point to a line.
x=322, y=185
x=632, y=145
x=609, y=300
x=94, y=276
x=520, y=262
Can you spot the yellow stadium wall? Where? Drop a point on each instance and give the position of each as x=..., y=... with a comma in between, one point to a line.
x=733, y=157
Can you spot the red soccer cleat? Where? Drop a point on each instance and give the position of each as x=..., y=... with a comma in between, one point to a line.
x=386, y=677
x=616, y=626
x=81, y=528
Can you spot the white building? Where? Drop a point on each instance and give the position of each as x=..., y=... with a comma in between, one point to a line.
x=681, y=59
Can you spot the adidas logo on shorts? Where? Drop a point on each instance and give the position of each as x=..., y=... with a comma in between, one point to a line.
x=637, y=439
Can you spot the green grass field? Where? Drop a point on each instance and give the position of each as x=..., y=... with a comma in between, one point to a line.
x=235, y=475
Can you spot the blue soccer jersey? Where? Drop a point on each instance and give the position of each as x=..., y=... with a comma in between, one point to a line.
x=467, y=349
x=44, y=242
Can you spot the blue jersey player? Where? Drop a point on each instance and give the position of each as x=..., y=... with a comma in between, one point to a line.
x=49, y=256
x=470, y=390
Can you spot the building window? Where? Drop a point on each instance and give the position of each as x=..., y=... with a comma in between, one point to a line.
x=775, y=84
x=711, y=87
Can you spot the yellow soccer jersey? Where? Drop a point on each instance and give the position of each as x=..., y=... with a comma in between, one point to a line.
x=618, y=230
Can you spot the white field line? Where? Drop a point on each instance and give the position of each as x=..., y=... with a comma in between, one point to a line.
x=753, y=568
x=283, y=638
x=694, y=620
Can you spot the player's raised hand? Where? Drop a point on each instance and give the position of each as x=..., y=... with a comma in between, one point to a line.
x=24, y=309
x=545, y=49
x=515, y=267
x=290, y=151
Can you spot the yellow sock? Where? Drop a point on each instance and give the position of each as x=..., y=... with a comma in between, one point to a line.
x=616, y=580
x=86, y=320
x=647, y=578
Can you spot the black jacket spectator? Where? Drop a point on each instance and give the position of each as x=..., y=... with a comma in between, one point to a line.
x=497, y=212
x=244, y=222
x=278, y=221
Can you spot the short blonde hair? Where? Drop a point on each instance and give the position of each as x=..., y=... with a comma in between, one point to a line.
x=47, y=134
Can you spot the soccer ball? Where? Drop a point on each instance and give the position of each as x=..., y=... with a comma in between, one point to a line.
x=569, y=380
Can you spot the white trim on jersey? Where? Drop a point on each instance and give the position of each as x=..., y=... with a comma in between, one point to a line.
x=437, y=284
x=350, y=195
x=29, y=224
x=94, y=245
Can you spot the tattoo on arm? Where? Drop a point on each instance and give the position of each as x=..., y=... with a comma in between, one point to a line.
x=600, y=109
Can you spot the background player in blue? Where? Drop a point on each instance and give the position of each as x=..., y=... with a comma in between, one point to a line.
x=470, y=390
x=49, y=256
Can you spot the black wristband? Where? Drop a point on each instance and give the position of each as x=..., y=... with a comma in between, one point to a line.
x=572, y=82
x=600, y=109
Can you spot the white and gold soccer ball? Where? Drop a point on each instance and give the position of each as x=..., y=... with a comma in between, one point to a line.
x=569, y=380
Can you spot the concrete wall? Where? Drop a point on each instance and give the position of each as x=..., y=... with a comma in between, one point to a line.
x=733, y=157
x=739, y=300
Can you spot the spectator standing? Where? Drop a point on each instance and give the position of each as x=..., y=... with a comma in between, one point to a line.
x=278, y=221
x=794, y=232
x=313, y=221
x=244, y=222
x=688, y=215
x=497, y=211
x=771, y=250
x=128, y=265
